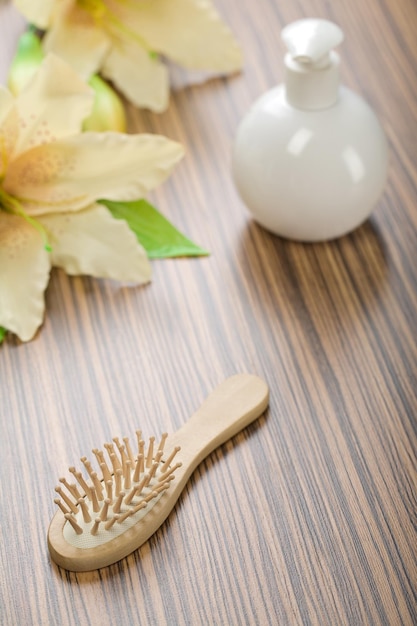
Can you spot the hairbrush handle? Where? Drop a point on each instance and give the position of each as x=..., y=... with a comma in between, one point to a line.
x=234, y=404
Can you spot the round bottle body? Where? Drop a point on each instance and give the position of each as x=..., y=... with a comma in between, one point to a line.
x=310, y=175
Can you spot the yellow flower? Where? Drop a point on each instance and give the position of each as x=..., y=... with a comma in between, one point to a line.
x=51, y=176
x=123, y=39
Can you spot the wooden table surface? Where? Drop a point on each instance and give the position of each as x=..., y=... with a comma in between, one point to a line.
x=309, y=516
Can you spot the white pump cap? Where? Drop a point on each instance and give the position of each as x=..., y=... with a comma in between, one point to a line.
x=312, y=67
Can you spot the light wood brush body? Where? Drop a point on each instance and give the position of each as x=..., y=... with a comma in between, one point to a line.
x=116, y=513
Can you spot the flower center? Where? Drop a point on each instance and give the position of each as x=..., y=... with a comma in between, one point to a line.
x=96, y=8
x=101, y=13
x=12, y=205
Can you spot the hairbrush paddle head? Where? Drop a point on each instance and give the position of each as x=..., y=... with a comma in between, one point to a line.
x=109, y=512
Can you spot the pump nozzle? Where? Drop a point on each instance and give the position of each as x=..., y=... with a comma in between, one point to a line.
x=311, y=40
x=312, y=67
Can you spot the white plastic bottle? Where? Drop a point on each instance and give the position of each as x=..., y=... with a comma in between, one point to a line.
x=310, y=158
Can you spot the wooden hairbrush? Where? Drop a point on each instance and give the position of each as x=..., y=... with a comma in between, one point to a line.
x=106, y=515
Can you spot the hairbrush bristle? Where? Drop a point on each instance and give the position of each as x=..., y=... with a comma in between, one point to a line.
x=104, y=503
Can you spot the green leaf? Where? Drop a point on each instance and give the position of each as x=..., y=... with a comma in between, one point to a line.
x=3, y=332
x=156, y=234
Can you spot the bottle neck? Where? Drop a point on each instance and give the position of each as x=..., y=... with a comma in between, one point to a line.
x=312, y=87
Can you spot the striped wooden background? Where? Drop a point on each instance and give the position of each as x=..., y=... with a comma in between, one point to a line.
x=310, y=515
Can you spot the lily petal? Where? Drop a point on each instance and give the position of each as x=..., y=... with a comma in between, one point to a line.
x=72, y=174
x=6, y=102
x=141, y=78
x=38, y=12
x=93, y=242
x=9, y=129
x=75, y=38
x=52, y=105
x=24, y=275
x=190, y=32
